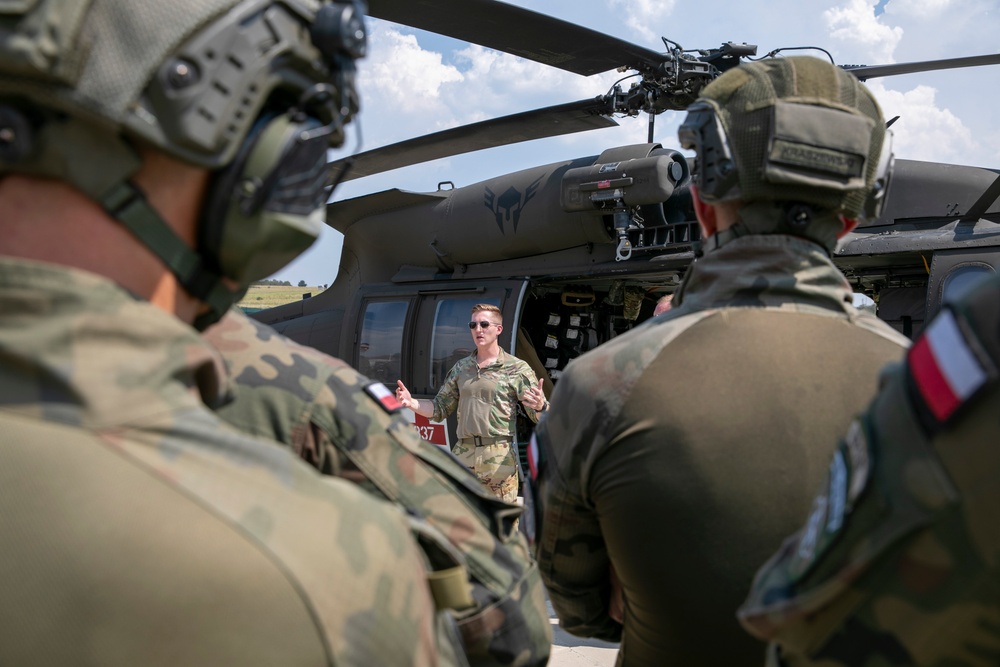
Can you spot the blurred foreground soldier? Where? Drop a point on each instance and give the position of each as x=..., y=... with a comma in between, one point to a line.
x=155, y=158
x=897, y=562
x=684, y=484
x=486, y=388
x=347, y=425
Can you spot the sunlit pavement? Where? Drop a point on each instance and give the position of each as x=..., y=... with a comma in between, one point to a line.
x=570, y=651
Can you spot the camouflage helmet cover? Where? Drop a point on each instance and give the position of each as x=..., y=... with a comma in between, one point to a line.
x=189, y=77
x=792, y=129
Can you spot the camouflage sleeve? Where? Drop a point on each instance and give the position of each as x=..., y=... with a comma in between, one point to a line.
x=572, y=555
x=446, y=400
x=274, y=387
x=896, y=564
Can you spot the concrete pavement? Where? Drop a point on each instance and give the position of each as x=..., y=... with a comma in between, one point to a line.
x=570, y=651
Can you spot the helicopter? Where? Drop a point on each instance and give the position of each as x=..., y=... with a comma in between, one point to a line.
x=570, y=262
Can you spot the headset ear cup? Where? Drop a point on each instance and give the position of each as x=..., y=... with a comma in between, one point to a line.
x=875, y=201
x=237, y=229
x=223, y=196
x=716, y=174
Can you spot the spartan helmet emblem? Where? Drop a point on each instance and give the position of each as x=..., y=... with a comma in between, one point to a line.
x=508, y=206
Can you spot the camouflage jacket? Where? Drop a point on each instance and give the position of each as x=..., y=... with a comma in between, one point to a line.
x=487, y=398
x=349, y=426
x=667, y=450
x=138, y=528
x=897, y=562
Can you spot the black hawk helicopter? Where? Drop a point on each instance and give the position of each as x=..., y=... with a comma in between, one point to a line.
x=572, y=263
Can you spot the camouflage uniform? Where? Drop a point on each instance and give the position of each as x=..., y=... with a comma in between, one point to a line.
x=897, y=563
x=333, y=417
x=487, y=400
x=139, y=529
x=682, y=450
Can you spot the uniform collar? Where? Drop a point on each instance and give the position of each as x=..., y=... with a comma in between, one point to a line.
x=772, y=270
x=499, y=360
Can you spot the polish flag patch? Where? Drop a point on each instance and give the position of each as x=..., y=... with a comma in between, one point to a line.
x=533, y=457
x=385, y=398
x=945, y=370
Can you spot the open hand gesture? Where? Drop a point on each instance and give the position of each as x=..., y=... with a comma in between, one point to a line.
x=534, y=397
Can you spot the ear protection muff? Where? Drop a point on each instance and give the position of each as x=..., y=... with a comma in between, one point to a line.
x=875, y=201
x=268, y=205
x=715, y=173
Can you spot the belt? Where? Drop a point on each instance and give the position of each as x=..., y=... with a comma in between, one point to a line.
x=479, y=441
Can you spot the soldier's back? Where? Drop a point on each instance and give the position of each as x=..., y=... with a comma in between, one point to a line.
x=137, y=528
x=113, y=558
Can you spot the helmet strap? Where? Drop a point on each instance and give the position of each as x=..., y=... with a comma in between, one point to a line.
x=127, y=204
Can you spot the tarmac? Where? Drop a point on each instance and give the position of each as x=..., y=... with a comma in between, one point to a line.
x=570, y=651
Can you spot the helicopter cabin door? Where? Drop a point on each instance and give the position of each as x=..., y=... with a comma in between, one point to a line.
x=417, y=332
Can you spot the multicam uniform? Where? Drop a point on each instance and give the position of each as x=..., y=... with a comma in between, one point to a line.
x=346, y=425
x=897, y=563
x=139, y=529
x=487, y=400
x=683, y=450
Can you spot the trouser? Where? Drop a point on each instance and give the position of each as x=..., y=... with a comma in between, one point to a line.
x=494, y=464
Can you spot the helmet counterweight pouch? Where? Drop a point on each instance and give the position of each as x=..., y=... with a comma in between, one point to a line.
x=816, y=146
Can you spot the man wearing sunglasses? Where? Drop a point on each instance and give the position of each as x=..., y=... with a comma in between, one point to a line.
x=486, y=387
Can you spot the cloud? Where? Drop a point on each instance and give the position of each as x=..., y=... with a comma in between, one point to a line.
x=924, y=131
x=855, y=24
x=640, y=14
x=402, y=71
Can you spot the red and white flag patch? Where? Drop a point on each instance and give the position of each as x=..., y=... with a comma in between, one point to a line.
x=945, y=370
x=385, y=398
x=533, y=457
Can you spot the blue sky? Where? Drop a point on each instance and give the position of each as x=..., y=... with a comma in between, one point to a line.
x=413, y=83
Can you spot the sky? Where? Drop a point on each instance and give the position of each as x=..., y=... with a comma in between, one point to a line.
x=413, y=83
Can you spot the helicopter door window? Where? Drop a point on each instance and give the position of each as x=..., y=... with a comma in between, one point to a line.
x=450, y=340
x=382, y=340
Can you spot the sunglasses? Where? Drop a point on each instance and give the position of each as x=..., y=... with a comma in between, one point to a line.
x=484, y=324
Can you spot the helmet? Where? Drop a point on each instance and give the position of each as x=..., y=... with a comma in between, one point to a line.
x=790, y=130
x=255, y=90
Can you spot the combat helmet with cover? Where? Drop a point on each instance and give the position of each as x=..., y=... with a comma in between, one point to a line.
x=256, y=91
x=797, y=140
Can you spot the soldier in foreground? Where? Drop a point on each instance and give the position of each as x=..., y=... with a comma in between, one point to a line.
x=155, y=158
x=485, y=387
x=683, y=451
x=348, y=426
x=897, y=562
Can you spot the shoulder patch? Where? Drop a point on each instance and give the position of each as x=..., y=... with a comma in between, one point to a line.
x=943, y=367
x=383, y=397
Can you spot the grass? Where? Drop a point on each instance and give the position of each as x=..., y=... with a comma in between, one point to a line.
x=259, y=297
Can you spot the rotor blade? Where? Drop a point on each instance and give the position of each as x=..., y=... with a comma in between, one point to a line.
x=518, y=31
x=865, y=72
x=538, y=124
